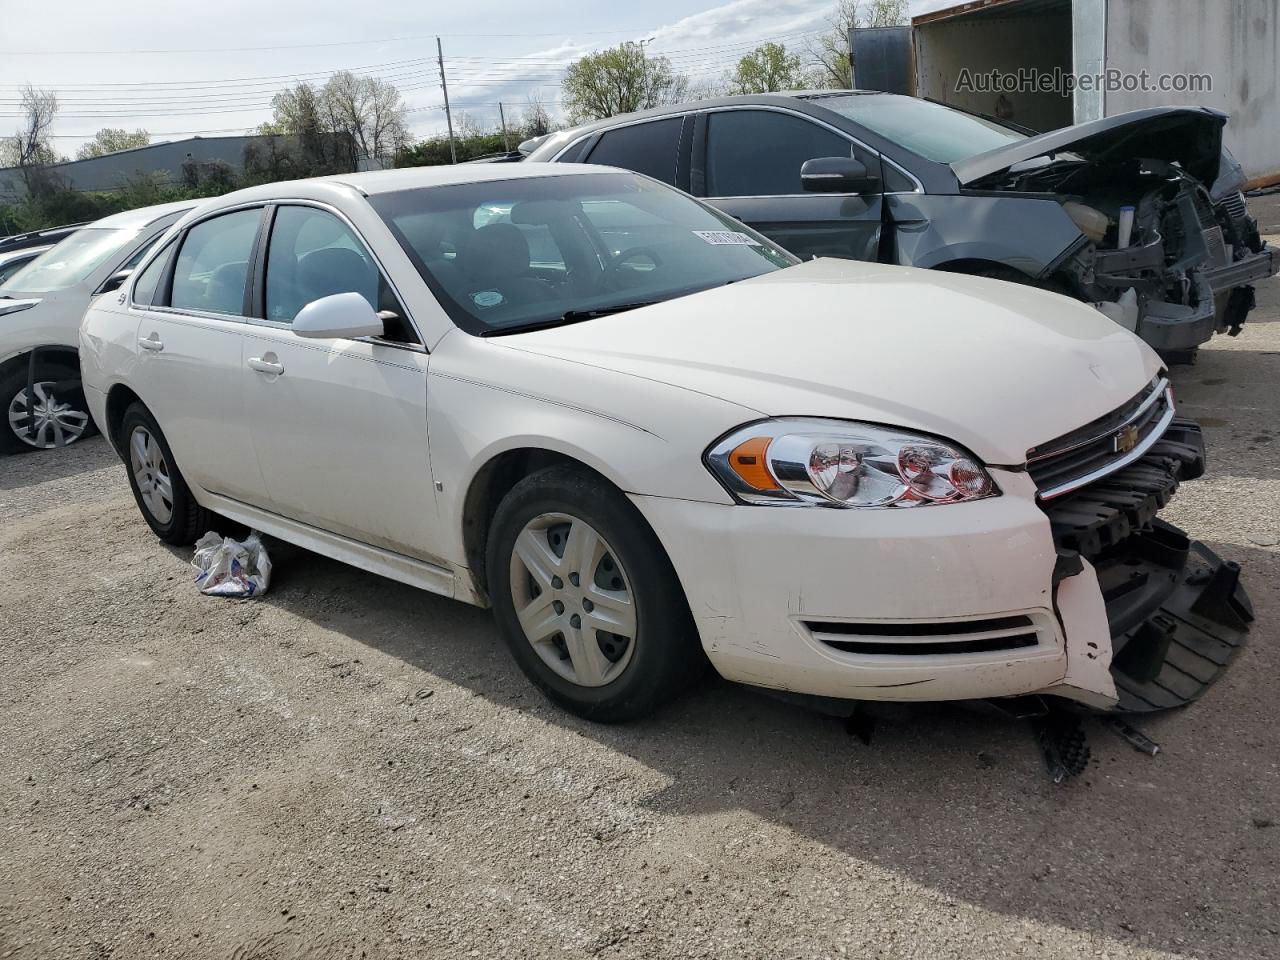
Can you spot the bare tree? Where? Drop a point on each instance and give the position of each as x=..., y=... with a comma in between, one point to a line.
x=620, y=80
x=29, y=148
x=830, y=51
x=535, y=121
x=369, y=110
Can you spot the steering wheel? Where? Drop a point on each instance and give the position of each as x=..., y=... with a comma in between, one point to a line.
x=611, y=269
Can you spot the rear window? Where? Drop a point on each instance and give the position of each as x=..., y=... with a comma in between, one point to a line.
x=933, y=131
x=648, y=148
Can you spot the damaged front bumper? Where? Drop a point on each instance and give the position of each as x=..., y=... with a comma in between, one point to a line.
x=994, y=599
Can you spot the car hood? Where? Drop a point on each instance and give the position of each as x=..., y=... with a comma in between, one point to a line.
x=1188, y=136
x=996, y=366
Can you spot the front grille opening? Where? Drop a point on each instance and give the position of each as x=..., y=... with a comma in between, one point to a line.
x=921, y=639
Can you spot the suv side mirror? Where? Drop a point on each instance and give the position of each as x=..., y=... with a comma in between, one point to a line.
x=837, y=175
x=346, y=315
x=115, y=281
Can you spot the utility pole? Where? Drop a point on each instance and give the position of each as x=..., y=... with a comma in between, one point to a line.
x=644, y=75
x=444, y=85
x=506, y=143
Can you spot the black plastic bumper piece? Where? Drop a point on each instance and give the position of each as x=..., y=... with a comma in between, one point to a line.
x=1178, y=615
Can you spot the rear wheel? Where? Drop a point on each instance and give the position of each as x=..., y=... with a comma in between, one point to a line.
x=53, y=414
x=586, y=599
x=161, y=493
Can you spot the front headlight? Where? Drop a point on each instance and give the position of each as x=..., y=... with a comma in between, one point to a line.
x=834, y=463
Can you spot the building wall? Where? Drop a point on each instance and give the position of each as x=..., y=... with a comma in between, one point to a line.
x=982, y=43
x=1235, y=41
x=111, y=171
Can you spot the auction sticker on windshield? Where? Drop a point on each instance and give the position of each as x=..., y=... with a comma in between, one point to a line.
x=726, y=238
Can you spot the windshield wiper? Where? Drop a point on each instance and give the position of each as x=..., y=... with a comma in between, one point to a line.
x=568, y=317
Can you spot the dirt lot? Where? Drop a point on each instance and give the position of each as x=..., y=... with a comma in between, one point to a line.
x=350, y=768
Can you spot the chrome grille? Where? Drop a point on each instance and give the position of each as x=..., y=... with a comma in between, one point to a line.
x=1234, y=206
x=1089, y=453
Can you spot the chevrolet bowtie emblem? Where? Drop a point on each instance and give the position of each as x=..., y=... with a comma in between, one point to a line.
x=1126, y=439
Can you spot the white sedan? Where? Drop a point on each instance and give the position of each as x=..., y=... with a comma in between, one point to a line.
x=649, y=439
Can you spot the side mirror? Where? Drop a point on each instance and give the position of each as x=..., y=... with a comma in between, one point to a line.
x=837, y=175
x=345, y=315
x=115, y=281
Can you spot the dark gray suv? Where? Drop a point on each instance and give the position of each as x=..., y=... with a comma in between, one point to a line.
x=1139, y=213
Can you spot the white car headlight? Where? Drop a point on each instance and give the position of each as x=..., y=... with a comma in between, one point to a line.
x=834, y=463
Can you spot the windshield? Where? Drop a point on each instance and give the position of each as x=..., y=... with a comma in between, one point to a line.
x=70, y=262
x=931, y=130
x=510, y=255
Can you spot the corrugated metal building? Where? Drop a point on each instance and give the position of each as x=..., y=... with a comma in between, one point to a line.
x=1236, y=43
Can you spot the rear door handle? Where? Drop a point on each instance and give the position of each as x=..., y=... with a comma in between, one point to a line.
x=152, y=342
x=265, y=365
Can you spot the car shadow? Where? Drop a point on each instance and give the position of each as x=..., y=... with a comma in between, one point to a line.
x=949, y=797
x=33, y=467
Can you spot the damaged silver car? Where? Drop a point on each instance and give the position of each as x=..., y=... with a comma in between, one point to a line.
x=1140, y=213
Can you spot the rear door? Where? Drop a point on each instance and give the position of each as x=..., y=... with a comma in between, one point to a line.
x=340, y=426
x=192, y=304
x=656, y=148
x=746, y=161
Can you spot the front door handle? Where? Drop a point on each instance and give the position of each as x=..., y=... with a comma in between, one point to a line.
x=266, y=364
x=152, y=342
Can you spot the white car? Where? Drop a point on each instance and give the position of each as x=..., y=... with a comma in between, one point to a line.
x=40, y=310
x=649, y=438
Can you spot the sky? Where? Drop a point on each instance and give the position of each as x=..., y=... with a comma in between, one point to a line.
x=211, y=68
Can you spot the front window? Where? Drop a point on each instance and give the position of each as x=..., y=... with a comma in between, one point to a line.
x=70, y=262
x=933, y=131
x=517, y=254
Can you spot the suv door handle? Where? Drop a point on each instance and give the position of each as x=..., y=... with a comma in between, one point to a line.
x=152, y=342
x=264, y=365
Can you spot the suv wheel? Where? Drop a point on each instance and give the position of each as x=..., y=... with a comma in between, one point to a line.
x=587, y=600
x=57, y=418
x=162, y=495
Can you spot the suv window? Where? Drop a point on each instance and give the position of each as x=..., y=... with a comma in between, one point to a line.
x=213, y=264
x=758, y=153
x=314, y=254
x=648, y=148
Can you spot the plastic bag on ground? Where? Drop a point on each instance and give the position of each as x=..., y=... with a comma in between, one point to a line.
x=229, y=568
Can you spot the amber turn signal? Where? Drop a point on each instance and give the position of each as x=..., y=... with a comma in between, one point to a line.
x=748, y=461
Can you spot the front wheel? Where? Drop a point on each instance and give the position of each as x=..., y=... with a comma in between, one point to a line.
x=586, y=599
x=52, y=414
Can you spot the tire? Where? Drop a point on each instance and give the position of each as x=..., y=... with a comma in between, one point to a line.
x=605, y=676
x=62, y=417
x=161, y=493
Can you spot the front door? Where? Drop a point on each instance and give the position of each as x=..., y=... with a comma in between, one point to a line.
x=747, y=163
x=339, y=425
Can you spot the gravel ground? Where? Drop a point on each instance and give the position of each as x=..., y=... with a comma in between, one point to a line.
x=351, y=768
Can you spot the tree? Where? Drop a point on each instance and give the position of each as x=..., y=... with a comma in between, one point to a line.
x=830, y=51
x=369, y=109
x=619, y=80
x=29, y=148
x=767, y=69
x=535, y=121
x=110, y=139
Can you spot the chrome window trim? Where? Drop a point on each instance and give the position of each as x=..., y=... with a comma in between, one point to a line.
x=776, y=109
x=419, y=347
x=1133, y=455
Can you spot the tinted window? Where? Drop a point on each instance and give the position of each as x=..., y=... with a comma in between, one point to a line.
x=928, y=129
x=648, y=148
x=625, y=241
x=312, y=255
x=758, y=153
x=144, y=288
x=213, y=263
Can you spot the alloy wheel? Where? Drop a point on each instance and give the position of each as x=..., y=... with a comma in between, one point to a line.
x=151, y=473
x=573, y=599
x=52, y=423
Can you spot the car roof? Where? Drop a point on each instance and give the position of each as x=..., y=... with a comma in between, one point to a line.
x=142, y=216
